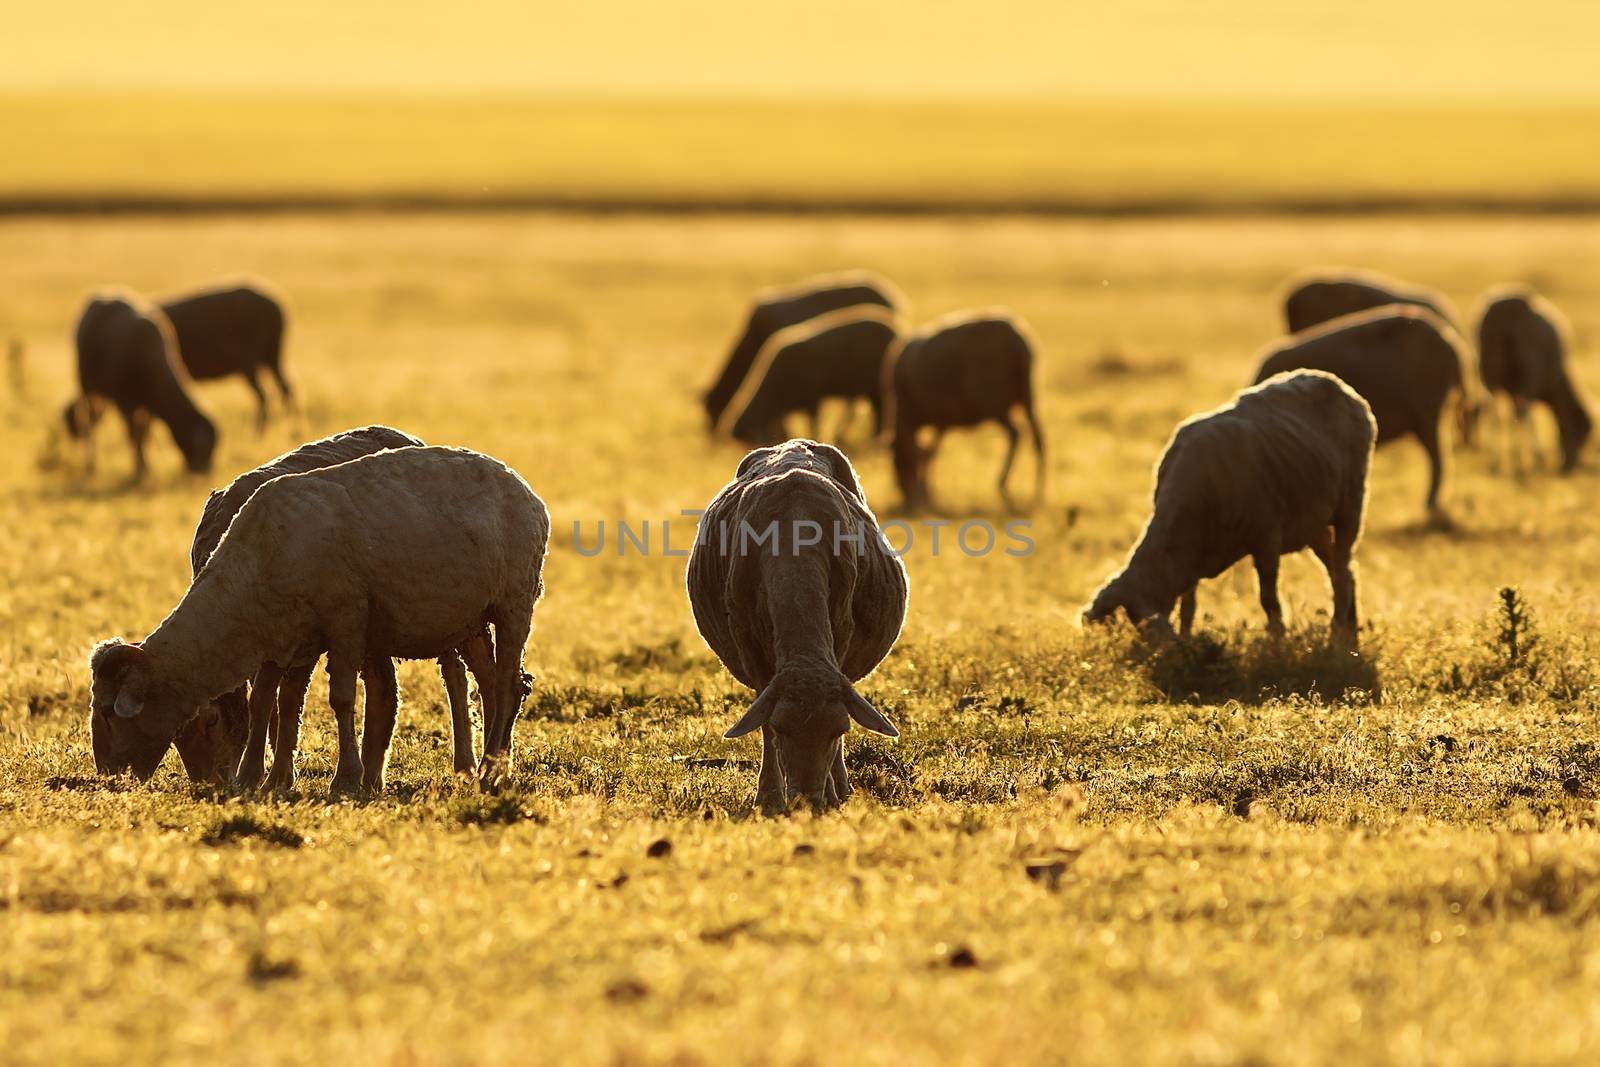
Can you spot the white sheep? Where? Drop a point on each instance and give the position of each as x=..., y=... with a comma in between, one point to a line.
x=213, y=741
x=796, y=592
x=1281, y=468
x=404, y=554
x=1522, y=352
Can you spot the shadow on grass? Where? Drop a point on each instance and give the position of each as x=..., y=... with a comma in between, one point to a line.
x=1204, y=670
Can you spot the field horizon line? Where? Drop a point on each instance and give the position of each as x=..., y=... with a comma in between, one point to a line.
x=46, y=205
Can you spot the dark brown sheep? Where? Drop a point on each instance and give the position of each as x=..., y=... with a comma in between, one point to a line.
x=213, y=741
x=1405, y=362
x=127, y=357
x=778, y=309
x=961, y=371
x=234, y=330
x=795, y=590
x=1522, y=352
x=1280, y=469
x=1322, y=298
x=836, y=355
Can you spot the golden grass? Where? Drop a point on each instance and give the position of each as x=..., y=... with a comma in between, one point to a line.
x=1055, y=862
x=995, y=155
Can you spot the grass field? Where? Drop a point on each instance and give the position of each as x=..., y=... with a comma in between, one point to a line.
x=66, y=151
x=1082, y=850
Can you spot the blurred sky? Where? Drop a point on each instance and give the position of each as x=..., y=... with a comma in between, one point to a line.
x=1402, y=50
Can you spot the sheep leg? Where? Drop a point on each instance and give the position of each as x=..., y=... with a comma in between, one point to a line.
x=847, y=421
x=263, y=697
x=1012, y=437
x=1530, y=430
x=286, y=733
x=137, y=422
x=1267, y=577
x=1334, y=551
x=1516, y=433
x=924, y=466
x=478, y=653
x=285, y=393
x=342, y=695
x=1186, y=611
x=254, y=383
x=1038, y=453
x=1429, y=439
x=454, y=674
x=377, y=729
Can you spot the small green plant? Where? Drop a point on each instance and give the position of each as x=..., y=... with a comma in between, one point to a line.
x=1515, y=636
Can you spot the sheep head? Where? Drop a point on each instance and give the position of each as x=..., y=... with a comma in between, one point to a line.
x=131, y=719
x=211, y=743
x=197, y=442
x=805, y=715
x=1147, y=613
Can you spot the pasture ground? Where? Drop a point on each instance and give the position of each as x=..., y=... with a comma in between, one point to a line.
x=1081, y=850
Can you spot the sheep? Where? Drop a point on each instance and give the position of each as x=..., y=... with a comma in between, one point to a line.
x=837, y=354
x=232, y=330
x=1324, y=297
x=1522, y=343
x=775, y=310
x=213, y=741
x=405, y=553
x=127, y=356
x=1404, y=361
x=960, y=371
x=794, y=589
x=1281, y=468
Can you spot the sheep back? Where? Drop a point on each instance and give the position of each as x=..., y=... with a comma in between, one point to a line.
x=1405, y=362
x=837, y=354
x=1320, y=298
x=227, y=331
x=1521, y=344
x=775, y=310
x=867, y=589
x=223, y=504
x=127, y=352
x=962, y=371
x=1273, y=467
x=411, y=547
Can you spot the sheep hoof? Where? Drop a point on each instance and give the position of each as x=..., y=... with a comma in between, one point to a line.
x=345, y=785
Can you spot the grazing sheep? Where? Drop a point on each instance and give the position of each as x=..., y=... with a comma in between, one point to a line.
x=796, y=592
x=213, y=741
x=838, y=354
x=233, y=330
x=407, y=553
x=1281, y=468
x=1405, y=362
x=127, y=357
x=960, y=371
x=1322, y=298
x=1522, y=345
x=775, y=310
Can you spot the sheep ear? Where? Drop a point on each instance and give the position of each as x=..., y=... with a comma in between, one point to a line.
x=129, y=703
x=757, y=716
x=868, y=717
